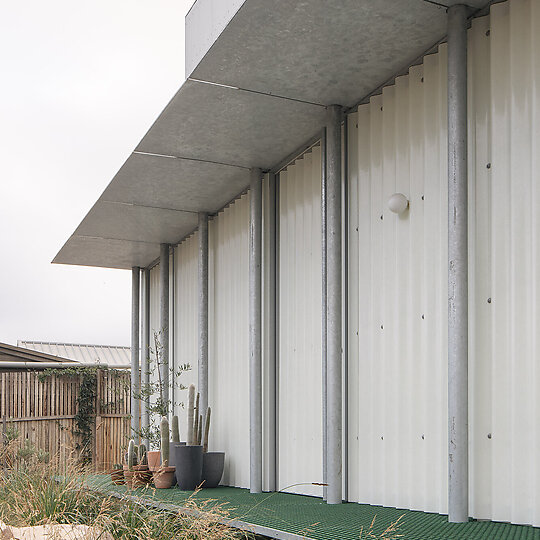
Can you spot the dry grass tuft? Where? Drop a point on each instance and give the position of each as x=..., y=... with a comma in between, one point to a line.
x=35, y=492
x=390, y=533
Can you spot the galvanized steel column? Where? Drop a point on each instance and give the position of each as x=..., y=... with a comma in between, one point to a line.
x=255, y=330
x=323, y=310
x=271, y=265
x=164, y=320
x=458, y=446
x=135, y=375
x=145, y=353
x=203, y=311
x=334, y=406
x=345, y=307
x=172, y=314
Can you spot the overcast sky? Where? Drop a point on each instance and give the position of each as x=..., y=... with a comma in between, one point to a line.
x=81, y=82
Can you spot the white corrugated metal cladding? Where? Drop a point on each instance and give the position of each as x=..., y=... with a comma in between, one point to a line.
x=299, y=352
x=397, y=333
x=185, y=319
x=228, y=241
x=397, y=294
x=504, y=413
x=183, y=266
x=228, y=332
x=398, y=279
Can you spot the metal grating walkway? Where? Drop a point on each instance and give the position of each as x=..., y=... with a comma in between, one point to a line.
x=287, y=516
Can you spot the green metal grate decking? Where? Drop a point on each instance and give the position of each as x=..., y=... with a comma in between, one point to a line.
x=284, y=516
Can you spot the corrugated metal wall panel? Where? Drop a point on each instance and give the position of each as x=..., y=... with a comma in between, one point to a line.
x=186, y=328
x=397, y=294
x=480, y=282
x=505, y=412
x=398, y=274
x=300, y=420
x=228, y=339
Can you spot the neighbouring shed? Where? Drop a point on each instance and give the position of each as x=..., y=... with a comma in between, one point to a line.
x=115, y=356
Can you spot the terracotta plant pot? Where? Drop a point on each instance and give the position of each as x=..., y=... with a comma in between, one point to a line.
x=128, y=475
x=154, y=459
x=163, y=477
x=117, y=476
x=212, y=471
x=142, y=476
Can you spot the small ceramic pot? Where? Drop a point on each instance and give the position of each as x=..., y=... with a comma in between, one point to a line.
x=212, y=471
x=154, y=459
x=163, y=477
x=117, y=476
x=189, y=461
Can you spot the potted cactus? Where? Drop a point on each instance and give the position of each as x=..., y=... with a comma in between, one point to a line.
x=189, y=458
x=131, y=458
x=117, y=474
x=141, y=474
x=213, y=462
x=163, y=477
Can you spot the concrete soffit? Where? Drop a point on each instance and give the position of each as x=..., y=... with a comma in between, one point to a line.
x=258, y=94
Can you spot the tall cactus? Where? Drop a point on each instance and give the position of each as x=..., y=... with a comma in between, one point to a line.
x=196, y=426
x=199, y=433
x=175, y=430
x=164, y=442
x=131, y=455
x=191, y=414
x=142, y=455
x=206, y=429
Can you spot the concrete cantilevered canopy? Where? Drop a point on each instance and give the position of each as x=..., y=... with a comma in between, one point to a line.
x=273, y=70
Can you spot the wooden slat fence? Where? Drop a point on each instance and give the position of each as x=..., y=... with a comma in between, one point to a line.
x=43, y=411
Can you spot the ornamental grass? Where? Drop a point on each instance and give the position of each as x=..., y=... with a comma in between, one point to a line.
x=36, y=489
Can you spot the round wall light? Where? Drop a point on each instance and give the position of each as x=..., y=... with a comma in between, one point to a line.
x=398, y=203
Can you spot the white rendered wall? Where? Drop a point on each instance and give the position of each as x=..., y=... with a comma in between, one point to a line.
x=228, y=339
x=299, y=275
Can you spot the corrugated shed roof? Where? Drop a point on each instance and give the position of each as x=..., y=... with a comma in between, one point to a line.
x=112, y=355
x=10, y=353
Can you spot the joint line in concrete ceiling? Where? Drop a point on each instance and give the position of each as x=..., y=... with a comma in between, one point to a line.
x=257, y=92
x=150, y=206
x=166, y=156
x=92, y=237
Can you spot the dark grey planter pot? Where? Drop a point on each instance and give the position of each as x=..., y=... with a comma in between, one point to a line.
x=212, y=472
x=189, y=463
x=172, y=458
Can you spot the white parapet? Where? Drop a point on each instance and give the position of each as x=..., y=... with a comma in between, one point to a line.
x=204, y=23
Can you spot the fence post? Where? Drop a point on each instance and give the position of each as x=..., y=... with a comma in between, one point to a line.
x=98, y=446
